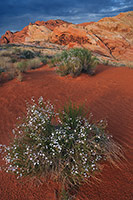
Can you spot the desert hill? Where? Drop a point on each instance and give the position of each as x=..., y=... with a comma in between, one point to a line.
x=110, y=37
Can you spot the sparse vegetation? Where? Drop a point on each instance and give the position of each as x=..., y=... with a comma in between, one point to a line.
x=110, y=62
x=1, y=70
x=44, y=60
x=27, y=54
x=22, y=66
x=105, y=62
x=6, y=68
x=66, y=146
x=74, y=62
x=34, y=63
x=20, y=76
x=16, y=60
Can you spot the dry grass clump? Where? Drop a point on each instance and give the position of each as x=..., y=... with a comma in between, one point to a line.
x=7, y=69
x=20, y=76
x=4, y=61
x=25, y=65
x=22, y=66
x=34, y=63
x=66, y=146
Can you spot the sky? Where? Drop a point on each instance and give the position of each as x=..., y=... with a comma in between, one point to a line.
x=16, y=14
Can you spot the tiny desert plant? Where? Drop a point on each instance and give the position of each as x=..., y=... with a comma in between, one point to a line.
x=13, y=60
x=16, y=51
x=22, y=66
x=38, y=53
x=54, y=61
x=67, y=147
x=34, y=63
x=74, y=62
x=20, y=76
x=7, y=68
x=105, y=62
x=44, y=60
x=1, y=70
x=4, y=62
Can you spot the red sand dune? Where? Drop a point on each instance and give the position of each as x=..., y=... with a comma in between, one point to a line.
x=108, y=94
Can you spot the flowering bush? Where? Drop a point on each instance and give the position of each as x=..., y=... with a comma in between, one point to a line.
x=66, y=146
x=74, y=62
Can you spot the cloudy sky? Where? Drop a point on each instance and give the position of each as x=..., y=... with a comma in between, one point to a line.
x=16, y=14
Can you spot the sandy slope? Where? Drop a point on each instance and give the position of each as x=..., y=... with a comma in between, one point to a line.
x=109, y=95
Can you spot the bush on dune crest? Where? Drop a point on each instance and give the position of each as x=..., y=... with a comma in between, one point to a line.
x=74, y=62
x=66, y=146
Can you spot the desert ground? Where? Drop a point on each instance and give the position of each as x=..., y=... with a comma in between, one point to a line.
x=108, y=95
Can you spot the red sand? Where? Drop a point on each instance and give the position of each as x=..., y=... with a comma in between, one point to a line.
x=109, y=95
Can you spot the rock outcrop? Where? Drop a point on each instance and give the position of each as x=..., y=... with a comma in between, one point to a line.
x=51, y=24
x=37, y=33
x=34, y=32
x=115, y=34
x=17, y=37
x=111, y=37
x=66, y=34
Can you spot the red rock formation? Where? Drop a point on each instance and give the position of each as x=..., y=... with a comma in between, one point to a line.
x=51, y=24
x=17, y=37
x=5, y=39
x=21, y=36
x=85, y=24
x=65, y=34
x=115, y=34
x=110, y=36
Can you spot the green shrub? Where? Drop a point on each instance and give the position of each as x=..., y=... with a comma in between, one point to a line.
x=105, y=62
x=66, y=146
x=27, y=54
x=34, y=63
x=2, y=70
x=54, y=61
x=38, y=53
x=44, y=60
x=13, y=60
x=22, y=66
x=74, y=62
